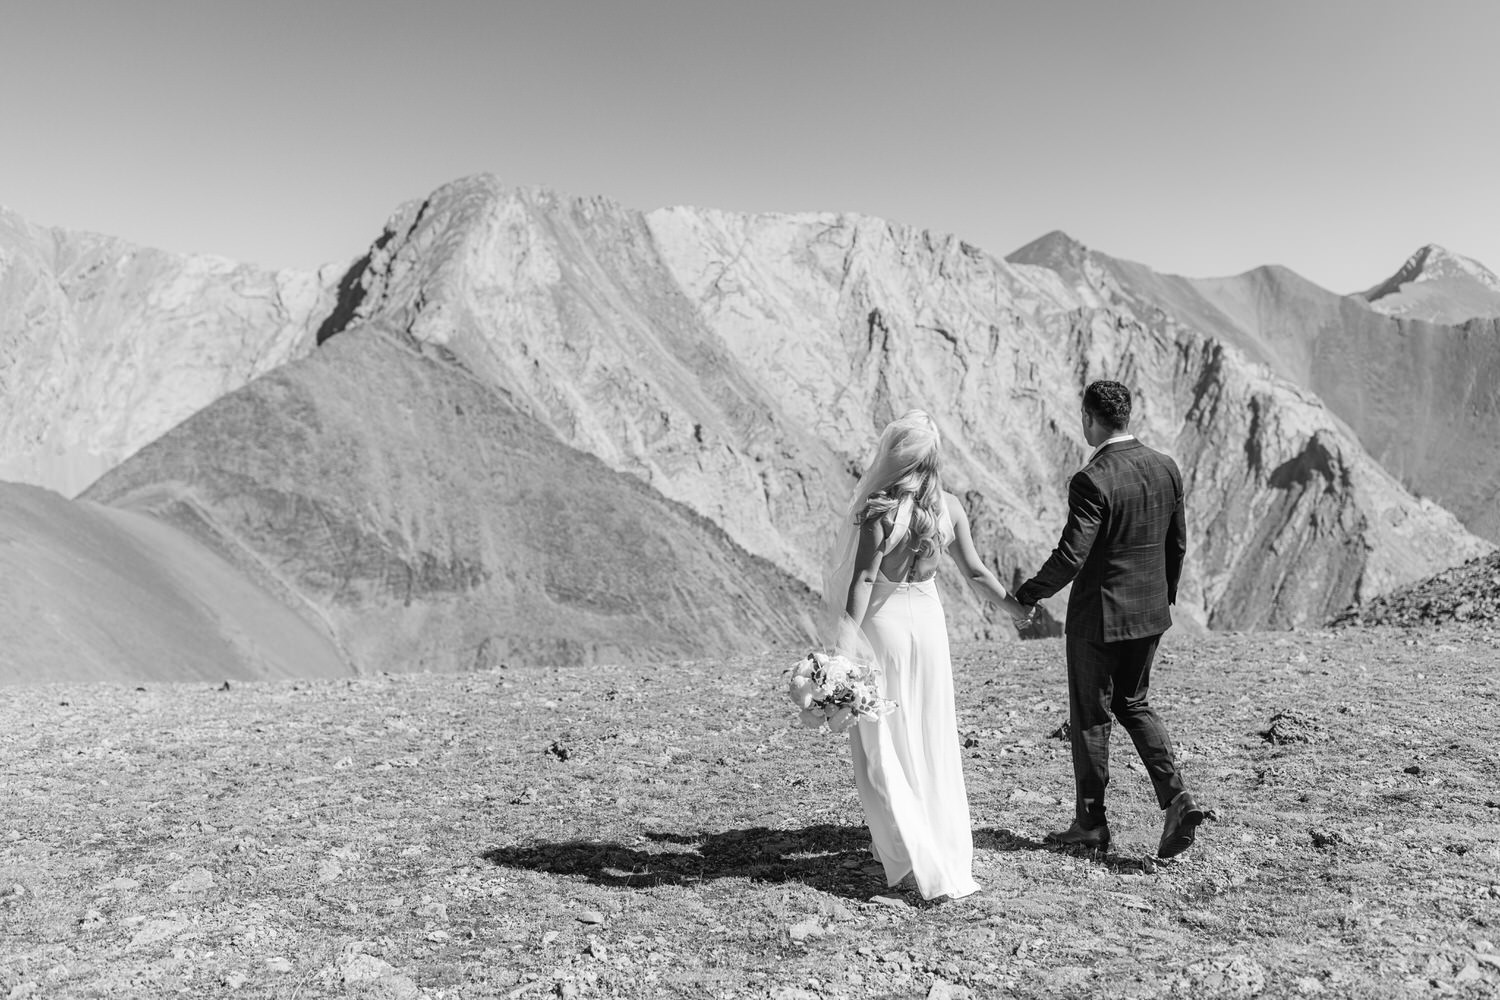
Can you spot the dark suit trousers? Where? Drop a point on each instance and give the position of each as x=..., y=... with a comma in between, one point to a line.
x=1112, y=679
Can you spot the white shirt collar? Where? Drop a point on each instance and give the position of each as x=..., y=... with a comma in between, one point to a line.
x=1114, y=440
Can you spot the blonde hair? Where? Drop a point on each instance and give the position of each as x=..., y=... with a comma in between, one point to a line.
x=907, y=466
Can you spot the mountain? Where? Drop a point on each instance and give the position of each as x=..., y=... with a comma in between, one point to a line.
x=95, y=593
x=1439, y=286
x=413, y=512
x=105, y=345
x=744, y=364
x=1421, y=397
x=532, y=426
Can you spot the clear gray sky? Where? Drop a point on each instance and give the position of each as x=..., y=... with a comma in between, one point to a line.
x=1200, y=138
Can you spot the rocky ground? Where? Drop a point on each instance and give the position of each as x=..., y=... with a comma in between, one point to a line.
x=663, y=832
x=1467, y=593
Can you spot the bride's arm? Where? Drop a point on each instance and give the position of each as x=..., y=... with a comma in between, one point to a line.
x=866, y=565
x=983, y=582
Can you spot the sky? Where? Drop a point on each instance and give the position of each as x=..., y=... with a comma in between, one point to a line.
x=1202, y=138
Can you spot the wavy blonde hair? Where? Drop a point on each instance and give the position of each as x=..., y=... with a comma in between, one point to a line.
x=906, y=466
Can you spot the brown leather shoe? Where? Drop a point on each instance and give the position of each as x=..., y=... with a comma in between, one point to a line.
x=1181, y=825
x=1079, y=835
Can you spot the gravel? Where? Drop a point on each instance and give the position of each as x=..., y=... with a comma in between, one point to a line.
x=1467, y=593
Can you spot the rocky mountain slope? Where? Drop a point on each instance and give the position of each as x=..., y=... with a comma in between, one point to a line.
x=1421, y=397
x=743, y=365
x=95, y=593
x=105, y=345
x=1440, y=286
x=410, y=507
x=728, y=374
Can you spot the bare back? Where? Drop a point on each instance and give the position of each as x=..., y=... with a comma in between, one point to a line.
x=901, y=563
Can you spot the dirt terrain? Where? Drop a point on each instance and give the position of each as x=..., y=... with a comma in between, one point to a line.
x=662, y=832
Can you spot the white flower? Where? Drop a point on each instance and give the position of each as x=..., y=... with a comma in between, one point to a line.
x=840, y=673
x=801, y=692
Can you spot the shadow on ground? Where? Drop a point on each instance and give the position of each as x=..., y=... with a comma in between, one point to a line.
x=996, y=839
x=829, y=858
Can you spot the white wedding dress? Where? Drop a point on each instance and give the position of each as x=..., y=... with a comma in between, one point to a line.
x=907, y=766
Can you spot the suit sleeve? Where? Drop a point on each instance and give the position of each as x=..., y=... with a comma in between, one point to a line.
x=1176, y=539
x=1085, y=515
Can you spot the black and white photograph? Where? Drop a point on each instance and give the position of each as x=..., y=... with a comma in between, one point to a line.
x=825, y=500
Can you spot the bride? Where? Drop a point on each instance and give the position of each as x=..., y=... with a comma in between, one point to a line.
x=907, y=766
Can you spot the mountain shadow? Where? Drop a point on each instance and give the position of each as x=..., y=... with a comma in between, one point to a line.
x=428, y=523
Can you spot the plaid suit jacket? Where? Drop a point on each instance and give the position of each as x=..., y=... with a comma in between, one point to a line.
x=1122, y=546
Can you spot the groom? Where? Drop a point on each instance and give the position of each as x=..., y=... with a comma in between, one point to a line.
x=1122, y=547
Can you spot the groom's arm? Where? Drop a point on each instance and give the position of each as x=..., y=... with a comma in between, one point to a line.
x=1085, y=515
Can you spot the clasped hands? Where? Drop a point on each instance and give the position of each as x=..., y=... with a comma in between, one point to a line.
x=1027, y=616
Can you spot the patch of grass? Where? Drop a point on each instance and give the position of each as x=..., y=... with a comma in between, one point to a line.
x=661, y=832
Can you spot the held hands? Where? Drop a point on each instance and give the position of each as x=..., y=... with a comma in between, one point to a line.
x=1022, y=616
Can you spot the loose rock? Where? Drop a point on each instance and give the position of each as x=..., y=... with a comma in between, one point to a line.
x=805, y=931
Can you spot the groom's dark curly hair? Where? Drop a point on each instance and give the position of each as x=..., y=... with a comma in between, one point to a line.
x=1109, y=402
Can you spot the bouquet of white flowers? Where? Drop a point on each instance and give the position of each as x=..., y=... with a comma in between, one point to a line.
x=832, y=690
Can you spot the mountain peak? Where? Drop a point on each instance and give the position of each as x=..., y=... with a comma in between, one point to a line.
x=1438, y=286
x=1056, y=251
x=1430, y=263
